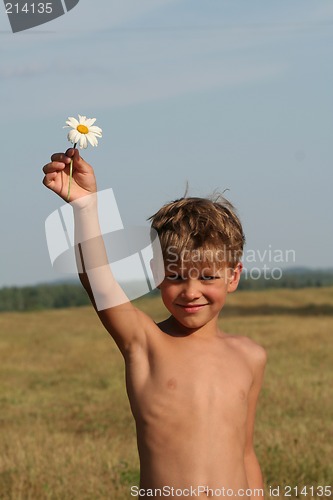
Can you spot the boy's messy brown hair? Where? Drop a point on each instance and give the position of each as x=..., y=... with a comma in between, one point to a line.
x=195, y=226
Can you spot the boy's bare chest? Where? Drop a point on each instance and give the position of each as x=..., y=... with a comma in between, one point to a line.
x=194, y=382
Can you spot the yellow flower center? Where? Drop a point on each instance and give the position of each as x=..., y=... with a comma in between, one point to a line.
x=82, y=129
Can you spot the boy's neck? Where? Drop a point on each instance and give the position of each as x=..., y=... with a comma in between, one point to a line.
x=173, y=328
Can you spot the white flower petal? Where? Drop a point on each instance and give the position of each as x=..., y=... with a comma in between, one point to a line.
x=71, y=136
x=83, y=141
x=92, y=139
x=82, y=119
x=90, y=122
x=76, y=136
x=72, y=122
x=96, y=130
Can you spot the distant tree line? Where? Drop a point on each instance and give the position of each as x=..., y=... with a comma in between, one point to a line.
x=297, y=278
x=36, y=297
x=56, y=296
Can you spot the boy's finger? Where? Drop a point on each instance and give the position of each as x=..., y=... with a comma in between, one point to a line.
x=48, y=180
x=53, y=167
x=71, y=152
x=61, y=157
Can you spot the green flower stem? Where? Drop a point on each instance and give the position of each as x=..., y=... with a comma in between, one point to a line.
x=70, y=176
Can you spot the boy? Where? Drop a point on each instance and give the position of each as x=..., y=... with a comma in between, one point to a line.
x=192, y=388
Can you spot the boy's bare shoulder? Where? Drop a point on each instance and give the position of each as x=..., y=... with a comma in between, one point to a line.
x=249, y=349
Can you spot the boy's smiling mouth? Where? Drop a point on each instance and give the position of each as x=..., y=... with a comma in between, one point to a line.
x=191, y=308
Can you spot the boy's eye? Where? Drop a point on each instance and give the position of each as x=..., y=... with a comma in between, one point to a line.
x=209, y=278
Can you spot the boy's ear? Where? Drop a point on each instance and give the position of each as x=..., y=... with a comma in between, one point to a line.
x=234, y=278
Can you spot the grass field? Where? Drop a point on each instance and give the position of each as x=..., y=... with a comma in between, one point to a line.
x=66, y=431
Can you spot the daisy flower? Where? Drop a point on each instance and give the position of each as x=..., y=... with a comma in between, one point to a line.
x=83, y=131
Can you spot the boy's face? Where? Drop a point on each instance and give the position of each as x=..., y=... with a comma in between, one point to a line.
x=195, y=295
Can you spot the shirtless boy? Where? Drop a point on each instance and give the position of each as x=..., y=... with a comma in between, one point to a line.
x=192, y=388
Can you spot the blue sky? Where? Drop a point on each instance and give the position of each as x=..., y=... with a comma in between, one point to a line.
x=225, y=95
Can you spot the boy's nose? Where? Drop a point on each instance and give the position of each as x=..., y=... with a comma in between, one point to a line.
x=191, y=290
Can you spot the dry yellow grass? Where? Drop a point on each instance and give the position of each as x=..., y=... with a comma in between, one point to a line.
x=66, y=431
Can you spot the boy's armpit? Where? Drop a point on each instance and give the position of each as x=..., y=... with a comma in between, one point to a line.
x=127, y=325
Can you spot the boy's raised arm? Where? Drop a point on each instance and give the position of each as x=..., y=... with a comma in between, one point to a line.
x=124, y=322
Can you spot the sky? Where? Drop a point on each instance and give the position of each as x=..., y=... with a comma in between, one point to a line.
x=222, y=95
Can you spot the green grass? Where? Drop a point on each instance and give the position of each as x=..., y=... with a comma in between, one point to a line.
x=66, y=431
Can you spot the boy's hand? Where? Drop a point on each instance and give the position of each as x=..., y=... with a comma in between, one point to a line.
x=57, y=175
